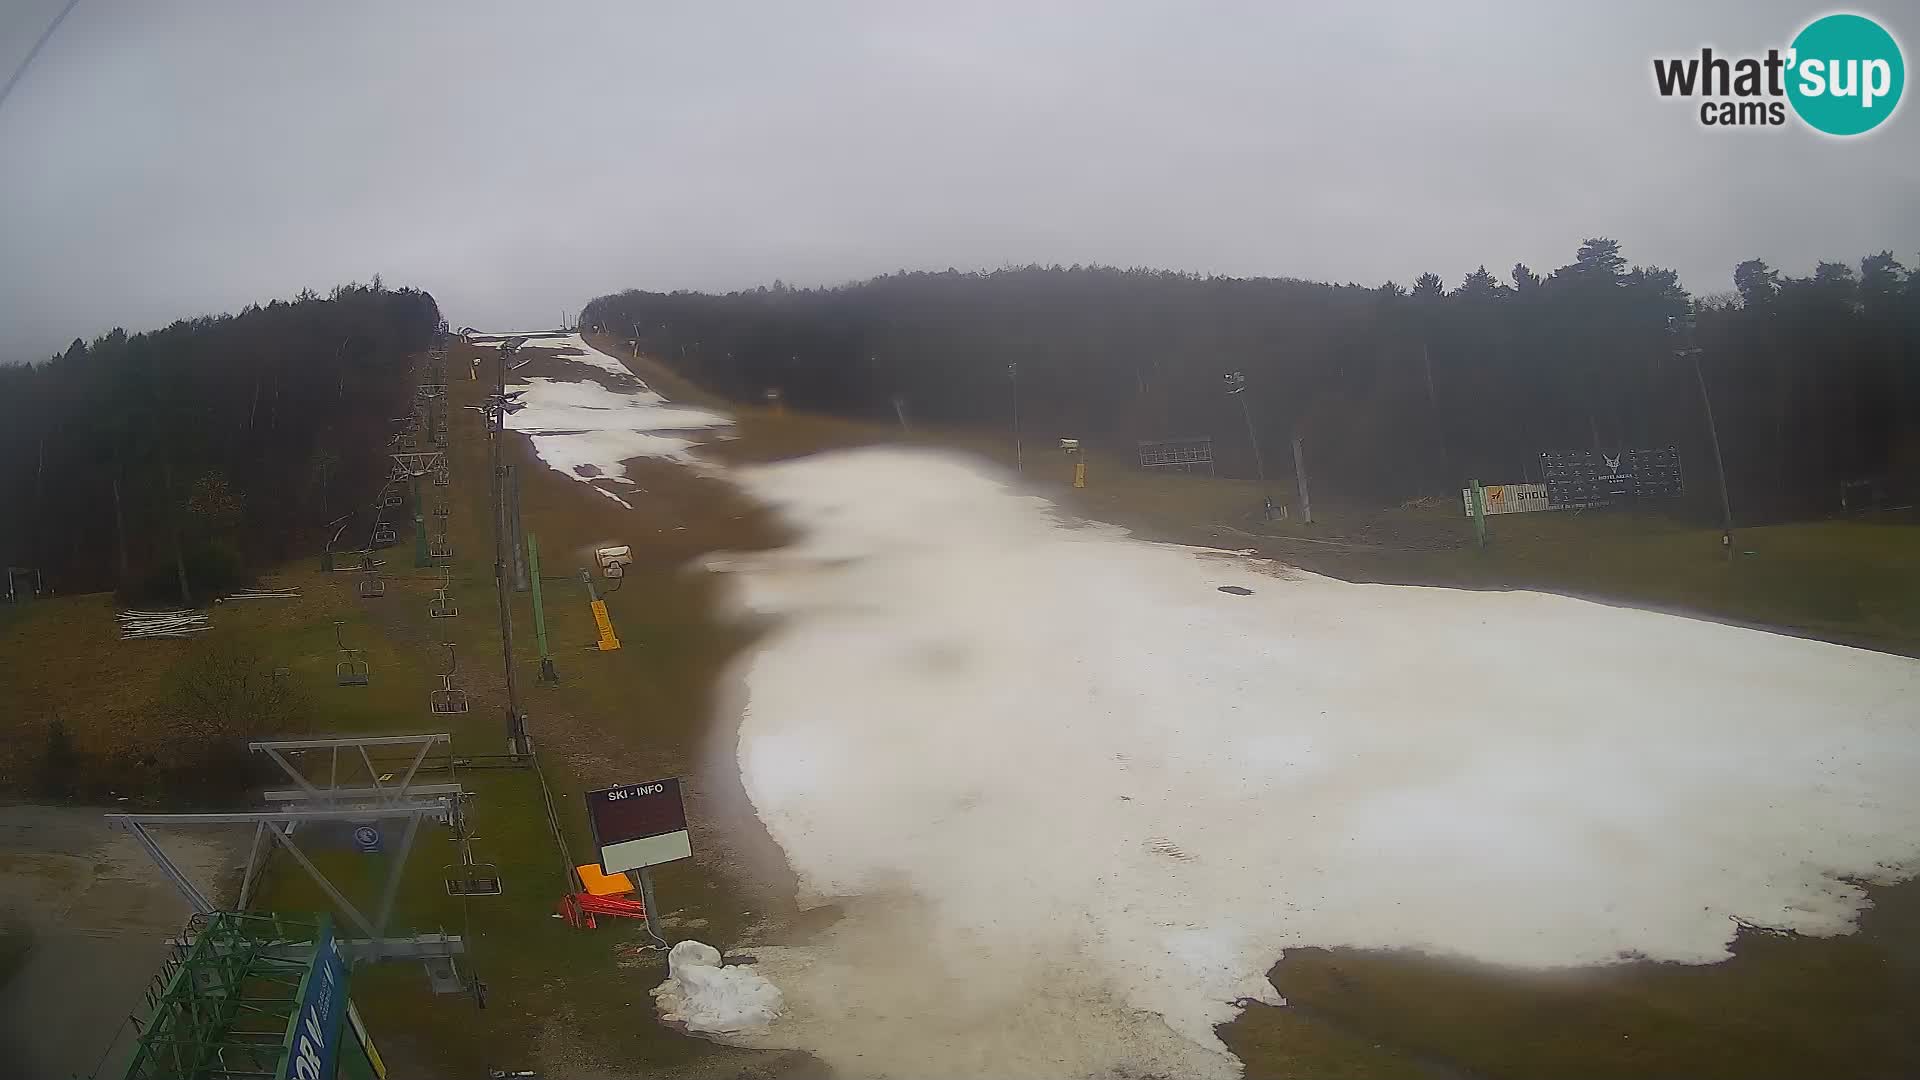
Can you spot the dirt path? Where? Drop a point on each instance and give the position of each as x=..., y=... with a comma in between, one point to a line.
x=96, y=917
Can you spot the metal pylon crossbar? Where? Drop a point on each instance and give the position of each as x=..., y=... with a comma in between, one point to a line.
x=397, y=790
x=418, y=462
x=278, y=827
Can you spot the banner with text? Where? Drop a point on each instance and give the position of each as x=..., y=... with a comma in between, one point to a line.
x=1509, y=498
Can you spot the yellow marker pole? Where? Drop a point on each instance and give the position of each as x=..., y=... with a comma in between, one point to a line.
x=608, y=643
x=1079, y=474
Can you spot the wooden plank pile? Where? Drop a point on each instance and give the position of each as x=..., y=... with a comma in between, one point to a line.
x=152, y=624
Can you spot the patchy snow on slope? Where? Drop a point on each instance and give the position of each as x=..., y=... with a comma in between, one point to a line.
x=587, y=431
x=707, y=997
x=550, y=404
x=575, y=348
x=1078, y=801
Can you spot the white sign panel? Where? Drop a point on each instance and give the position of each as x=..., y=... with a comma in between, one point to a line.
x=1509, y=498
x=638, y=825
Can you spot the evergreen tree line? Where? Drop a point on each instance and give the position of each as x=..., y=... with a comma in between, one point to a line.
x=1394, y=392
x=175, y=461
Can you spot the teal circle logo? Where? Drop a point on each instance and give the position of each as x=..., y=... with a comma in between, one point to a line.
x=1846, y=74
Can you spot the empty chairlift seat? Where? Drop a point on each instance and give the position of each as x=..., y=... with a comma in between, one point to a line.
x=351, y=669
x=447, y=699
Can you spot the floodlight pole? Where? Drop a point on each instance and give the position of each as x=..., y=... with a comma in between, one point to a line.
x=547, y=673
x=496, y=432
x=1019, y=455
x=1300, y=475
x=1237, y=387
x=1690, y=351
x=516, y=551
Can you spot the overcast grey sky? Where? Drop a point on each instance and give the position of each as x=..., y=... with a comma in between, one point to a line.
x=166, y=159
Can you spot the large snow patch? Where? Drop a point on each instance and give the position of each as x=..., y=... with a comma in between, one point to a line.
x=705, y=996
x=587, y=431
x=1073, y=790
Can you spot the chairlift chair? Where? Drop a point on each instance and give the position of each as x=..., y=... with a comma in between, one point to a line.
x=442, y=606
x=351, y=669
x=384, y=534
x=371, y=586
x=439, y=548
x=472, y=879
x=440, y=476
x=389, y=497
x=448, y=700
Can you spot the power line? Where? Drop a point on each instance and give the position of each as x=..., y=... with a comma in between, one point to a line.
x=35, y=51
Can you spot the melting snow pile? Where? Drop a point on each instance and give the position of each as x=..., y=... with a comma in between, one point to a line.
x=585, y=430
x=1078, y=801
x=707, y=997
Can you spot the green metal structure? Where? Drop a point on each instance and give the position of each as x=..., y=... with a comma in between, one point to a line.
x=228, y=1003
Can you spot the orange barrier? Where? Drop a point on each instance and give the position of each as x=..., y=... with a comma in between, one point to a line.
x=599, y=884
x=579, y=909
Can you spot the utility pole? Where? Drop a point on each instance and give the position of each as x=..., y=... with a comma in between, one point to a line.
x=496, y=487
x=547, y=672
x=1019, y=455
x=1237, y=387
x=516, y=532
x=1300, y=474
x=1683, y=325
x=1433, y=412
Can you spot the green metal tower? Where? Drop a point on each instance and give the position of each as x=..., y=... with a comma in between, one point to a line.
x=260, y=996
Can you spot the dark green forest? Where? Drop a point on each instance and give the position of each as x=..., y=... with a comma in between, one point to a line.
x=1395, y=392
x=207, y=449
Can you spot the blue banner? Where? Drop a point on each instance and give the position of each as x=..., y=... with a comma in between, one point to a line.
x=315, y=1036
